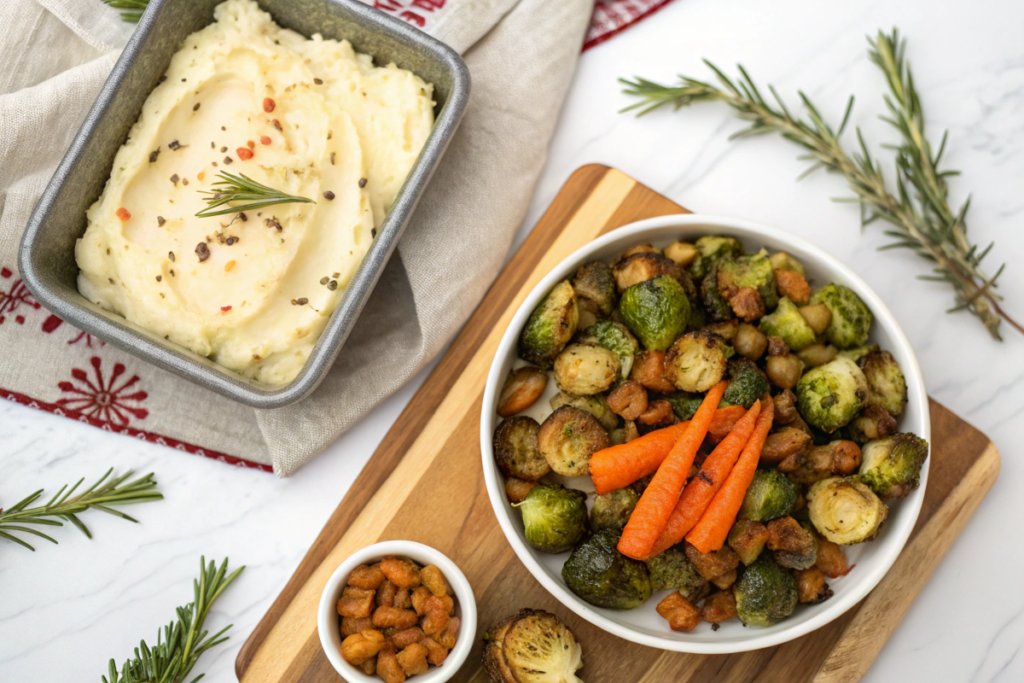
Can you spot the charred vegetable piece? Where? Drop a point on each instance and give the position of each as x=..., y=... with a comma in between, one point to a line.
x=794, y=546
x=874, y=422
x=748, y=383
x=892, y=466
x=793, y=285
x=612, y=510
x=711, y=250
x=516, y=449
x=550, y=327
x=584, y=369
x=771, y=495
x=811, y=587
x=753, y=271
x=887, y=387
x=748, y=539
x=719, y=607
x=598, y=573
x=596, y=405
x=554, y=517
x=830, y=395
x=637, y=268
x=617, y=339
x=845, y=511
x=679, y=612
x=782, y=261
x=714, y=564
x=841, y=456
x=596, y=282
x=649, y=370
x=521, y=390
x=831, y=560
x=656, y=311
x=782, y=443
x=672, y=571
x=765, y=594
x=717, y=308
x=518, y=489
x=696, y=361
x=629, y=400
x=683, y=253
x=851, y=318
x=567, y=439
x=787, y=322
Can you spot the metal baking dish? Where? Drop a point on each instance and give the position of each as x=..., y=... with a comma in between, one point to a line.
x=47, y=255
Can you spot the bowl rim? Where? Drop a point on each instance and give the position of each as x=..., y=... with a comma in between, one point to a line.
x=327, y=616
x=896, y=537
x=182, y=362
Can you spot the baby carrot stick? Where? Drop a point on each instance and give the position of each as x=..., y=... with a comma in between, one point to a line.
x=702, y=488
x=659, y=499
x=710, y=532
x=725, y=420
x=619, y=466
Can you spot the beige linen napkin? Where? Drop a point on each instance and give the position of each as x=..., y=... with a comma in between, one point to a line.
x=54, y=57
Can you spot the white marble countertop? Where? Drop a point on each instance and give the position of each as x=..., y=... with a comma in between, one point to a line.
x=64, y=611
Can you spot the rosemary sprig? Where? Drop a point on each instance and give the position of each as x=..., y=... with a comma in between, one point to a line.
x=180, y=644
x=918, y=212
x=100, y=496
x=241, y=188
x=133, y=9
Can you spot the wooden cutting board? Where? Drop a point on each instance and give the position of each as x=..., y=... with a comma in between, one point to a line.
x=425, y=483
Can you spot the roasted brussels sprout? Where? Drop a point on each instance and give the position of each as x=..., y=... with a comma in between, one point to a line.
x=567, y=439
x=717, y=308
x=783, y=261
x=886, y=385
x=748, y=538
x=684, y=404
x=554, y=517
x=637, y=268
x=596, y=282
x=851, y=318
x=748, y=383
x=516, y=450
x=672, y=571
x=585, y=369
x=845, y=511
x=696, y=361
x=892, y=466
x=521, y=390
x=786, y=322
x=596, y=405
x=711, y=250
x=765, y=594
x=830, y=395
x=754, y=271
x=612, y=510
x=794, y=546
x=656, y=311
x=532, y=647
x=550, y=327
x=771, y=495
x=617, y=339
x=858, y=352
x=598, y=573
x=682, y=253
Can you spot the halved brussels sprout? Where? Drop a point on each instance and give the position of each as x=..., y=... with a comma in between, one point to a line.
x=596, y=282
x=830, y=395
x=554, y=517
x=656, y=311
x=851, y=318
x=596, y=405
x=783, y=261
x=845, y=511
x=765, y=594
x=771, y=495
x=616, y=338
x=696, y=361
x=567, y=439
x=516, y=451
x=598, y=573
x=754, y=271
x=672, y=571
x=586, y=369
x=858, y=352
x=747, y=383
x=887, y=387
x=612, y=510
x=748, y=538
x=532, y=647
x=550, y=327
x=892, y=466
x=711, y=250
x=787, y=322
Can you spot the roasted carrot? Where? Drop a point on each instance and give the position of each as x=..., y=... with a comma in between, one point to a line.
x=710, y=532
x=702, y=488
x=661, y=495
x=725, y=420
x=619, y=466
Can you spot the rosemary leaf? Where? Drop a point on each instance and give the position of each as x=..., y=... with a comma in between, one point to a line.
x=241, y=188
x=133, y=9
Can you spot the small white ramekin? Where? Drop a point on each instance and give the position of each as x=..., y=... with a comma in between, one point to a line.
x=329, y=623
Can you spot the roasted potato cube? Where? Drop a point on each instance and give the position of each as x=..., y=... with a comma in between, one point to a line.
x=366, y=577
x=522, y=388
x=517, y=489
x=628, y=400
x=356, y=602
x=795, y=547
x=719, y=607
x=679, y=612
x=831, y=560
x=714, y=564
x=747, y=304
x=874, y=422
x=516, y=449
x=402, y=573
x=649, y=370
x=785, y=407
x=413, y=660
x=793, y=286
x=642, y=266
x=783, y=443
x=810, y=586
x=748, y=538
x=384, y=617
x=683, y=253
x=359, y=647
x=726, y=580
x=658, y=413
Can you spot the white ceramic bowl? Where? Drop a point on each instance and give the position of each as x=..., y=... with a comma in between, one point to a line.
x=329, y=623
x=643, y=625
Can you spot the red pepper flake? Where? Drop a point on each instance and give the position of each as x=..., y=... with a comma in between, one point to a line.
x=250, y=144
x=265, y=140
x=268, y=105
x=123, y=214
x=225, y=308
x=244, y=153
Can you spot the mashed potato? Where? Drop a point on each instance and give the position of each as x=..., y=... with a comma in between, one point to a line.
x=313, y=118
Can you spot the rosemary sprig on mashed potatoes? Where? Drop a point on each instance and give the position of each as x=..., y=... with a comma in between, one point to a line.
x=241, y=188
x=252, y=289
